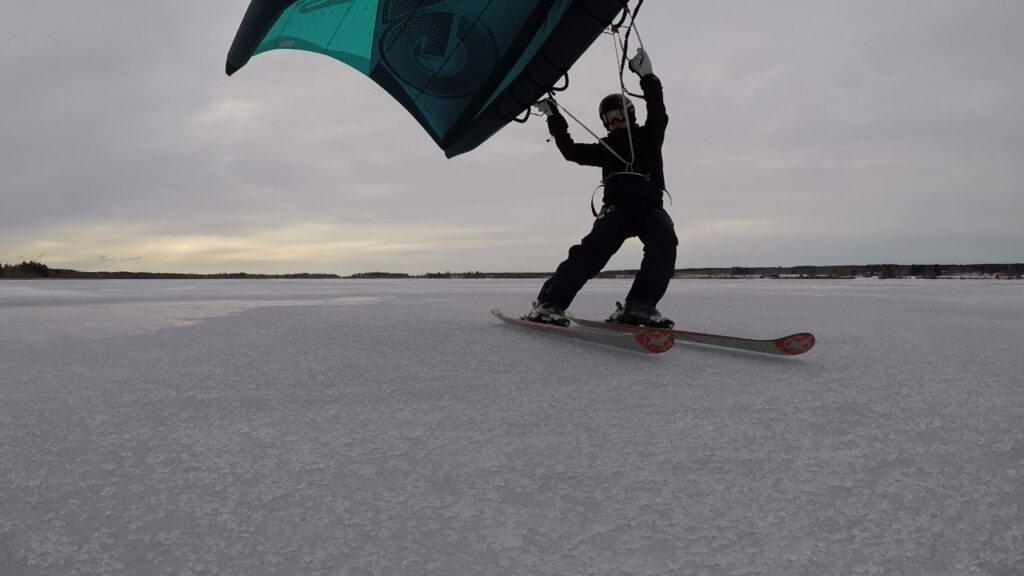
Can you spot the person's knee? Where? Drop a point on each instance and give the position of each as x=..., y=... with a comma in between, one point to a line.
x=665, y=249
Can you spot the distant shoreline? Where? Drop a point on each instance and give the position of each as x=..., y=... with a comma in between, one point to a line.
x=36, y=270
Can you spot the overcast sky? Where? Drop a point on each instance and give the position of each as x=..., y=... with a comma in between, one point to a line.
x=802, y=132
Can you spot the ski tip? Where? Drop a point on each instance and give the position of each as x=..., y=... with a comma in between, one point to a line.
x=795, y=344
x=655, y=341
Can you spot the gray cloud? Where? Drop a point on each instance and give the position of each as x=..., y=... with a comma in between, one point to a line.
x=801, y=133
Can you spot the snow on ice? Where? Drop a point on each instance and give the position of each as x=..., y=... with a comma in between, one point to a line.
x=363, y=427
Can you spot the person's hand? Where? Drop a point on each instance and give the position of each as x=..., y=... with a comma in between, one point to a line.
x=641, y=63
x=547, y=106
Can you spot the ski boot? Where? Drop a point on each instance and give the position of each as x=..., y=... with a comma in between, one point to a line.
x=547, y=314
x=639, y=315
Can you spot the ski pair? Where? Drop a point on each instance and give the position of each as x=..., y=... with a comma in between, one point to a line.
x=644, y=339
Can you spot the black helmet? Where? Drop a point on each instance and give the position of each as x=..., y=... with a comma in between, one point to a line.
x=615, y=102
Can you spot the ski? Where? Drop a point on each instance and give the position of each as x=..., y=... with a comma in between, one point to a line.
x=648, y=340
x=791, y=345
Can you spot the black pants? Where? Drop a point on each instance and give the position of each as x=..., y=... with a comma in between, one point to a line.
x=614, y=224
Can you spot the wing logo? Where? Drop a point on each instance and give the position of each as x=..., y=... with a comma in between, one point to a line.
x=429, y=49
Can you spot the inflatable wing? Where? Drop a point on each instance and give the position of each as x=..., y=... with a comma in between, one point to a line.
x=462, y=68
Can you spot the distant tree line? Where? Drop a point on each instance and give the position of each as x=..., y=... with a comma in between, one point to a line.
x=33, y=269
x=379, y=275
x=866, y=271
x=847, y=271
x=476, y=274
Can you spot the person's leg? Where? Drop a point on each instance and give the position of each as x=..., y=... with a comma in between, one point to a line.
x=585, y=259
x=657, y=232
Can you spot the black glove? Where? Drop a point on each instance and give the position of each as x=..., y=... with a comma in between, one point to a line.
x=557, y=124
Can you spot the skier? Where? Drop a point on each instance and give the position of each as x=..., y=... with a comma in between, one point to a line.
x=633, y=178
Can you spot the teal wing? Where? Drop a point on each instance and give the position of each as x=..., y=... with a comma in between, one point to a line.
x=462, y=68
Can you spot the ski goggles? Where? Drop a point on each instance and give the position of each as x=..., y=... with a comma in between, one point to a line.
x=613, y=115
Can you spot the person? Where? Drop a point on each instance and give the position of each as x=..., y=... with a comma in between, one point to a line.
x=632, y=170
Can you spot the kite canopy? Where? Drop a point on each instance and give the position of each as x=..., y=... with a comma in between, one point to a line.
x=462, y=68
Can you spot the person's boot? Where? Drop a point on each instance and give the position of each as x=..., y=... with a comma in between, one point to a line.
x=637, y=314
x=547, y=314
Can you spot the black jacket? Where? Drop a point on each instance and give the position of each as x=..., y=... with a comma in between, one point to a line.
x=621, y=189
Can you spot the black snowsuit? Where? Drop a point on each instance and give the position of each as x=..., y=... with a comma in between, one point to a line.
x=632, y=207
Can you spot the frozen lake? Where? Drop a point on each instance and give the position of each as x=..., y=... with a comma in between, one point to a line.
x=358, y=427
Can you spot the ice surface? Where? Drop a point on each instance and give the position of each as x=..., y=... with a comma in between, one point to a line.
x=338, y=427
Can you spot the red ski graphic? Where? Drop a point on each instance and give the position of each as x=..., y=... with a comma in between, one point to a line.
x=795, y=344
x=791, y=345
x=655, y=341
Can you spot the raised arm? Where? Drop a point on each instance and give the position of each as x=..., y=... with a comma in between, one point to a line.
x=654, y=95
x=657, y=116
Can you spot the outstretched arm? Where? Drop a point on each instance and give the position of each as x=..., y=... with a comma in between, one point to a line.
x=558, y=126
